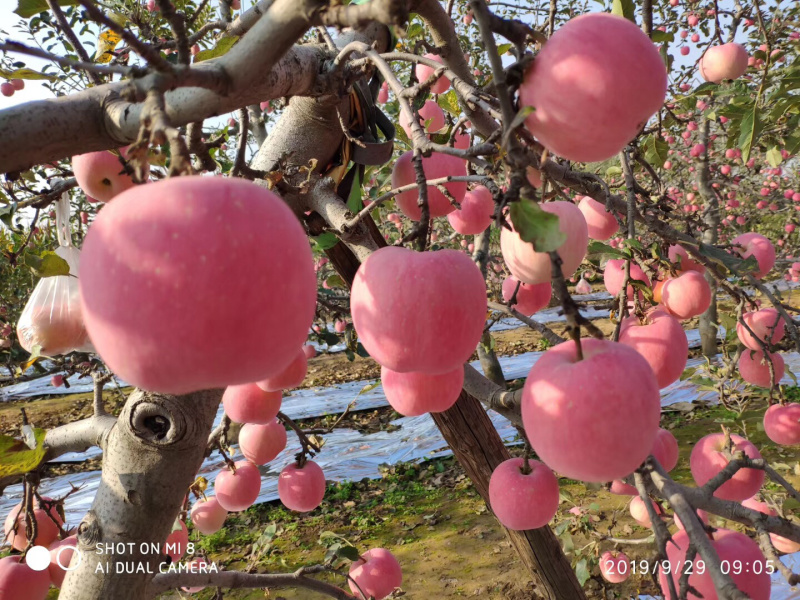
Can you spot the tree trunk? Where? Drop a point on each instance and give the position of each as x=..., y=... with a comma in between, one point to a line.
x=479, y=449
x=708, y=320
x=151, y=457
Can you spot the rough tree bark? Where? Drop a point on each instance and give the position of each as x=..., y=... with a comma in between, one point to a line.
x=151, y=457
x=708, y=320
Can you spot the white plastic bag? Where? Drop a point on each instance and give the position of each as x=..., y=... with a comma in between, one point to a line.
x=52, y=317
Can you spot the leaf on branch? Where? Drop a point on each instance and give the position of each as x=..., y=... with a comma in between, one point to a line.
x=49, y=264
x=662, y=36
x=600, y=251
x=449, y=102
x=334, y=281
x=29, y=74
x=221, y=48
x=354, y=203
x=29, y=8
x=774, y=157
x=624, y=8
x=17, y=458
x=108, y=39
x=655, y=150
x=750, y=129
x=536, y=226
x=326, y=240
x=734, y=264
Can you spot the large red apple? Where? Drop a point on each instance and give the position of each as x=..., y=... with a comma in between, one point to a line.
x=262, y=443
x=431, y=117
x=687, y=295
x=614, y=275
x=593, y=419
x=238, y=489
x=733, y=548
x=14, y=529
x=435, y=166
x=301, y=488
x=413, y=394
x=424, y=72
x=727, y=61
x=208, y=516
x=291, y=377
x=594, y=85
x=375, y=575
x=782, y=424
x=101, y=175
x=601, y=224
x=639, y=511
x=530, y=266
x=419, y=311
x=521, y=500
x=665, y=450
x=755, y=244
x=18, y=581
x=708, y=459
x=766, y=324
x=248, y=403
x=754, y=368
x=781, y=544
x=660, y=338
x=197, y=283
x=615, y=567
x=60, y=559
x=530, y=298
x=476, y=213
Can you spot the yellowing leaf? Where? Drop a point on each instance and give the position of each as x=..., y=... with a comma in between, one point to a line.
x=15, y=456
x=108, y=39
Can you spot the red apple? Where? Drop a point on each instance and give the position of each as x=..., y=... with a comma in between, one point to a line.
x=435, y=166
x=782, y=424
x=375, y=575
x=531, y=298
x=707, y=459
x=101, y=174
x=194, y=283
x=765, y=323
x=248, y=403
x=238, y=490
x=727, y=61
x=687, y=295
x=424, y=72
x=754, y=368
x=755, y=244
x=476, y=213
x=262, y=443
x=291, y=377
x=530, y=266
x=640, y=514
x=419, y=311
x=680, y=257
x=615, y=567
x=665, y=450
x=569, y=84
x=60, y=559
x=521, y=500
x=413, y=394
x=594, y=419
x=301, y=488
x=600, y=223
x=208, y=516
x=18, y=581
x=661, y=340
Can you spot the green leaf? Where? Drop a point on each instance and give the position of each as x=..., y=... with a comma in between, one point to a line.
x=334, y=281
x=348, y=552
x=29, y=8
x=16, y=457
x=624, y=8
x=326, y=240
x=503, y=48
x=536, y=226
x=582, y=568
x=354, y=199
x=734, y=263
x=369, y=387
x=655, y=150
x=449, y=102
x=49, y=264
x=704, y=89
x=613, y=172
x=750, y=129
x=221, y=48
x=361, y=351
x=662, y=36
x=600, y=251
x=29, y=74
x=774, y=157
